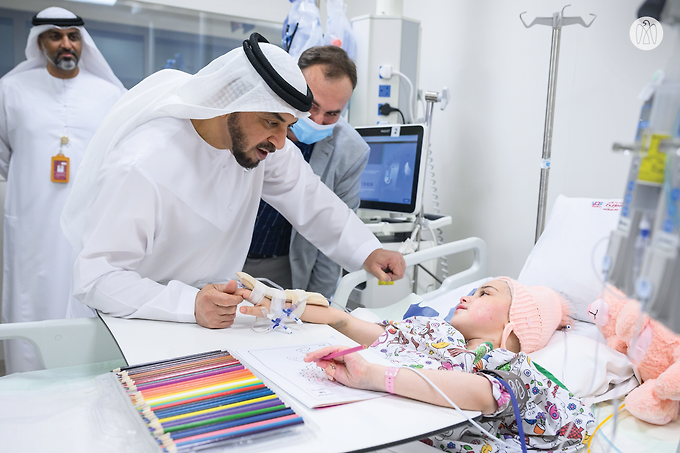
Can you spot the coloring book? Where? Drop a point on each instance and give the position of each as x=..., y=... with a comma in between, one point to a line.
x=304, y=381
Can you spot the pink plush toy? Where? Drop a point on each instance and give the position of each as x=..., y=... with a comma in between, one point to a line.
x=655, y=352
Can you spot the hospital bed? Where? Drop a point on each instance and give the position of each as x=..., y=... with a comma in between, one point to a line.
x=567, y=258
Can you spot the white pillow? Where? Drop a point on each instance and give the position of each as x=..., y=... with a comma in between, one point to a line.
x=443, y=303
x=434, y=304
x=568, y=256
x=590, y=370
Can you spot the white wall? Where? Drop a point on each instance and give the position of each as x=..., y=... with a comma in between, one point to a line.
x=487, y=144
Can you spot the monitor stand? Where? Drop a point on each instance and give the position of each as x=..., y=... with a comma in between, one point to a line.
x=396, y=226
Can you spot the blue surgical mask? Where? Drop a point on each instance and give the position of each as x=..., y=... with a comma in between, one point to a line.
x=307, y=131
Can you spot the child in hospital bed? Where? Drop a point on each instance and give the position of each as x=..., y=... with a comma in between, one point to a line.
x=488, y=338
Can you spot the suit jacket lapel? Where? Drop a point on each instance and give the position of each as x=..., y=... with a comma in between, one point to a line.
x=321, y=156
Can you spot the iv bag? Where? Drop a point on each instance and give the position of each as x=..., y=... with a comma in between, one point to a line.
x=302, y=28
x=338, y=29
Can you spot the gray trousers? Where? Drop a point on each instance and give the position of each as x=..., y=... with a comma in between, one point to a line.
x=276, y=269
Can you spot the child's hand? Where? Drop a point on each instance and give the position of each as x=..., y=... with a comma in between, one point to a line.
x=351, y=370
x=256, y=310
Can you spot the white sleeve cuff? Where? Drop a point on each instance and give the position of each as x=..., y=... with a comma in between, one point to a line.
x=187, y=304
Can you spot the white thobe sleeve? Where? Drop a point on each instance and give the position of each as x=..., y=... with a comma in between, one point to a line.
x=315, y=211
x=118, y=234
x=5, y=150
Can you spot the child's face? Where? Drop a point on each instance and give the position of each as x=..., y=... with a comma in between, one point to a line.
x=485, y=313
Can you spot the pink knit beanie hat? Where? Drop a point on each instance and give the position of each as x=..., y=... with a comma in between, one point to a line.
x=536, y=312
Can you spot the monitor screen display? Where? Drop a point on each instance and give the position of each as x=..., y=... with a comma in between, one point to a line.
x=390, y=180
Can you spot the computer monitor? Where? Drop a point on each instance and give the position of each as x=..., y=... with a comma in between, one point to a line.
x=393, y=178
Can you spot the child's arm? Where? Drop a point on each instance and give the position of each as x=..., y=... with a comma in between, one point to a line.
x=361, y=331
x=468, y=391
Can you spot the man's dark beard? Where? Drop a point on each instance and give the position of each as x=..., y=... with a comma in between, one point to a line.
x=239, y=143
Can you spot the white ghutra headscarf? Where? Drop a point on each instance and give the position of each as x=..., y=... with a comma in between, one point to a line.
x=91, y=59
x=228, y=84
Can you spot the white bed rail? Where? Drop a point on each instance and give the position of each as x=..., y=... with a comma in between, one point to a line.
x=476, y=271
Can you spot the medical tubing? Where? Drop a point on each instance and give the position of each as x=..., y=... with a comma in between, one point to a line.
x=616, y=417
x=564, y=360
x=597, y=350
x=410, y=97
x=611, y=444
x=474, y=423
x=518, y=416
x=564, y=367
x=671, y=208
x=638, y=326
x=602, y=423
x=641, y=242
x=601, y=278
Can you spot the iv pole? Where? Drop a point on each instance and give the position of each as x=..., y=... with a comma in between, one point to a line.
x=557, y=21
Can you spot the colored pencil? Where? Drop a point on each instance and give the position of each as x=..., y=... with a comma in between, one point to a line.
x=210, y=396
x=187, y=377
x=204, y=400
x=222, y=418
x=214, y=410
x=174, y=387
x=240, y=430
x=150, y=365
x=214, y=416
x=199, y=367
x=211, y=402
x=231, y=424
x=343, y=352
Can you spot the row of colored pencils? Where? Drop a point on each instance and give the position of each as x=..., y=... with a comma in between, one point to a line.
x=203, y=400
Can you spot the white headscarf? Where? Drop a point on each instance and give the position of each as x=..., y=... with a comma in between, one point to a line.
x=91, y=59
x=228, y=84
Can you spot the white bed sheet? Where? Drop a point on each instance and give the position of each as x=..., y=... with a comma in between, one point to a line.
x=632, y=435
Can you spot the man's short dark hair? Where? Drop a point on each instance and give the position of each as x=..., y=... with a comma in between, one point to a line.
x=336, y=62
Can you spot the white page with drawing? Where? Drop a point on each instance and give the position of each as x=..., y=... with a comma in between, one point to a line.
x=304, y=381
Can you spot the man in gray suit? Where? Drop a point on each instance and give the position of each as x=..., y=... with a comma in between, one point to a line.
x=336, y=153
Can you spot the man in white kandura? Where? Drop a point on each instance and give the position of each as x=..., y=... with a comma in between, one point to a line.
x=50, y=107
x=162, y=213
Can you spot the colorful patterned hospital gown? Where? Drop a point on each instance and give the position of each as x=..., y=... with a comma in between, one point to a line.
x=553, y=419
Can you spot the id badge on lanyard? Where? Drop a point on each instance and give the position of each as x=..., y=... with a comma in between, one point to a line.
x=60, y=164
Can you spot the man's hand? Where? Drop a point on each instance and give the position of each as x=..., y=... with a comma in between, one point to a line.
x=216, y=304
x=386, y=265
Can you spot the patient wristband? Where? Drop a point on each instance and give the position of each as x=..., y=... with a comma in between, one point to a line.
x=390, y=375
